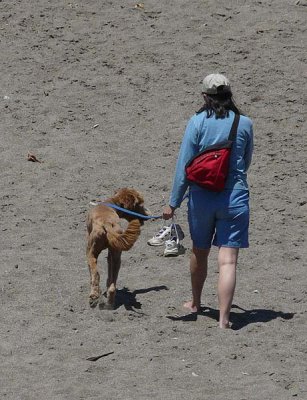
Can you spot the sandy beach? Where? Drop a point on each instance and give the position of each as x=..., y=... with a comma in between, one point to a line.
x=100, y=92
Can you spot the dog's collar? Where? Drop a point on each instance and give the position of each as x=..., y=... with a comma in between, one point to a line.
x=131, y=212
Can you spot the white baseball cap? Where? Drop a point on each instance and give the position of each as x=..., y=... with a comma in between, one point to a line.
x=212, y=82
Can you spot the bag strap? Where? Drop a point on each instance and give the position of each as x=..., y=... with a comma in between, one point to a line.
x=234, y=128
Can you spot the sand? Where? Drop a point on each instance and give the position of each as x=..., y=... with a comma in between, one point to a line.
x=100, y=92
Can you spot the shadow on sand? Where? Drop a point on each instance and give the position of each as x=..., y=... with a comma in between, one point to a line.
x=128, y=299
x=238, y=319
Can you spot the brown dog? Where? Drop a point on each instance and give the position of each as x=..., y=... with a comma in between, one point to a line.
x=105, y=232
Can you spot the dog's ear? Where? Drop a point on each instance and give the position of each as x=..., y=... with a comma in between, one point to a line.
x=123, y=198
x=116, y=193
x=129, y=198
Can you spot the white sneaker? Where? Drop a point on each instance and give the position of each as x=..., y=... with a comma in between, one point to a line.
x=160, y=237
x=172, y=247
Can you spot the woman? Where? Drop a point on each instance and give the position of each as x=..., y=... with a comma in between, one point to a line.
x=218, y=218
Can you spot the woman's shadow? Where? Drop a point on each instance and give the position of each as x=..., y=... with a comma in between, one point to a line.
x=238, y=319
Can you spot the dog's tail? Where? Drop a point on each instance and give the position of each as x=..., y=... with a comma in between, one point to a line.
x=124, y=241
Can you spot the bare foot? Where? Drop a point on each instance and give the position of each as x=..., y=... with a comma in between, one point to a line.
x=225, y=325
x=189, y=306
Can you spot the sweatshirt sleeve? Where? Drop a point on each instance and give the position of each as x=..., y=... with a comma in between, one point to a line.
x=249, y=148
x=188, y=149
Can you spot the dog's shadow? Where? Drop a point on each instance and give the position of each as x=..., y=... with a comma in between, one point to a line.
x=238, y=319
x=127, y=299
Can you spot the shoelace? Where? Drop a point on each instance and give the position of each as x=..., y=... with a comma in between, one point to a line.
x=172, y=241
x=162, y=230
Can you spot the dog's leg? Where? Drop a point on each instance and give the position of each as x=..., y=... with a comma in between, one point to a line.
x=93, y=251
x=114, y=261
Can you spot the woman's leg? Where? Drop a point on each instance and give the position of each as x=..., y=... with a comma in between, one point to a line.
x=227, y=260
x=198, y=268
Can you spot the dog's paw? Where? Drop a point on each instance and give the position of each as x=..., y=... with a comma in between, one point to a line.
x=93, y=302
x=94, y=298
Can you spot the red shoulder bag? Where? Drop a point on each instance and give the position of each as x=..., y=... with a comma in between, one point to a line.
x=209, y=169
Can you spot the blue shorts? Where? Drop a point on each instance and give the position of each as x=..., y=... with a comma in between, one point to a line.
x=221, y=219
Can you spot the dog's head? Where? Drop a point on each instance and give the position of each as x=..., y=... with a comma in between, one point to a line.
x=132, y=200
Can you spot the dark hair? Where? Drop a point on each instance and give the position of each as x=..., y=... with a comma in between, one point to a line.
x=219, y=105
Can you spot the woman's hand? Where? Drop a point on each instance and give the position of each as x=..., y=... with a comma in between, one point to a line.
x=168, y=212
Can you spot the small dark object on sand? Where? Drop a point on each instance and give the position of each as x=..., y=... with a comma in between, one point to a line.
x=32, y=157
x=102, y=355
